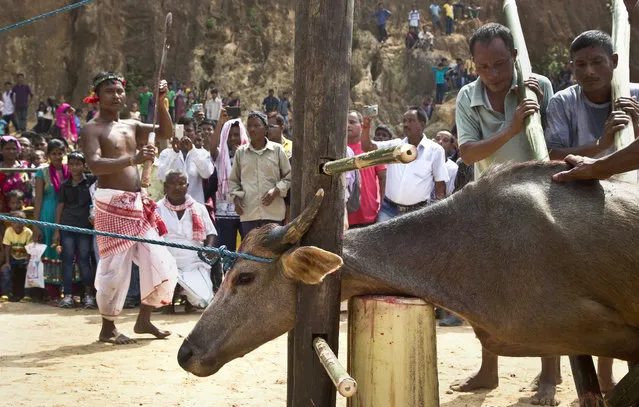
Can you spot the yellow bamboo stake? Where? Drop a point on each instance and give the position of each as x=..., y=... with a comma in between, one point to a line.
x=534, y=129
x=621, y=75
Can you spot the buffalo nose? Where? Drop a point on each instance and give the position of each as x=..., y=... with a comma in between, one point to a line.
x=184, y=355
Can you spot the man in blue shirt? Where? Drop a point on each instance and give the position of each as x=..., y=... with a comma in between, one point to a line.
x=434, y=12
x=382, y=15
x=440, y=80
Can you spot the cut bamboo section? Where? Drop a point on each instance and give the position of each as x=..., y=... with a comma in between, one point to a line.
x=392, y=352
x=621, y=74
x=534, y=128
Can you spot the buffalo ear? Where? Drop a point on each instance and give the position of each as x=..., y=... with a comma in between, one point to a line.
x=309, y=264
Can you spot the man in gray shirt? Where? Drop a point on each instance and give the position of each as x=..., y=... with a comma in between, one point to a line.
x=580, y=119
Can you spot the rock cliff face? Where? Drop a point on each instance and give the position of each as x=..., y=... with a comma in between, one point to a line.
x=247, y=45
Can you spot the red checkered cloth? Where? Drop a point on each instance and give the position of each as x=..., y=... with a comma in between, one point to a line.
x=126, y=213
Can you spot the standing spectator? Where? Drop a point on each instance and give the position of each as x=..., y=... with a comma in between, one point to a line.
x=48, y=183
x=73, y=209
x=8, y=108
x=381, y=15
x=270, y=103
x=450, y=18
x=229, y=136
x=410, y=186
x=276, y=127
x=383, y=133
x=65, y=122
x=21, y=92
x=285, y=107
x=171, y=101
x=15, y=238
x=459, y=8
x=92, y=113
x=232, y=100
x=260, y=177
x=440, y=80
x=27, y=148
x=143, y=101
x=372, y=179
x=426, y=39
x=180, y=103
x=447, y=141
x=459, y=74
x=473, y=10
x=427, y=105
x=490, y=125
x=184, y=156
x=435, y=17
x=135, y=111
x=188, y=222
x=565, y=77
x=413, y=20
x=213, y=106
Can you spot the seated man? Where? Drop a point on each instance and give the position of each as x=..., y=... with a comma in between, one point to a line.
x=188, y=222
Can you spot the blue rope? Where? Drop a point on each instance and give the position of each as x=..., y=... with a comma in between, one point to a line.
x=45, y=15
x=228, y=257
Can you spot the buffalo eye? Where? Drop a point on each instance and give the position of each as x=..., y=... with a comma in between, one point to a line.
x=243, y=279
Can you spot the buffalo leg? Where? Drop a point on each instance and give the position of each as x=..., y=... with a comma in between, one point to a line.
x=586, y=381
x=626, y=393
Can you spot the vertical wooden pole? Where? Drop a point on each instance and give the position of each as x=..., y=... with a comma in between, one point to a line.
x=323, y=36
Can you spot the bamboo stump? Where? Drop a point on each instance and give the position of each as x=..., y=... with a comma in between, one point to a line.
x=392, y=352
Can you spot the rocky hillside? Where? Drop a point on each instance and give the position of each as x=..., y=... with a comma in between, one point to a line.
x=247, y=46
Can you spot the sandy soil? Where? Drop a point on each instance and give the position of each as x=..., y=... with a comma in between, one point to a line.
x=50, y=357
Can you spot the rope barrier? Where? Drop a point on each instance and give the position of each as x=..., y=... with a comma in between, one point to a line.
x=45, y=15
x=228, y=257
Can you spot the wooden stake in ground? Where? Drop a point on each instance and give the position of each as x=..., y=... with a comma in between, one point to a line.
x=323, y=36
x=534, y=129
x=621, y=74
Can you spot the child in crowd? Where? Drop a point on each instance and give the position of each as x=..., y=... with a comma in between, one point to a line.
x=14, y=270
x=39, y=158
x=74, y=206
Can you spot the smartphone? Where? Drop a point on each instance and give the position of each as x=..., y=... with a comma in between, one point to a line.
x=179, y=131
x=370, y=111
x=233, y=112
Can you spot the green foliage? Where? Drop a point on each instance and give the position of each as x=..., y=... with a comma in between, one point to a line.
x=208, y=63
x=553, y=61
x=211, y=23
x=134, y=78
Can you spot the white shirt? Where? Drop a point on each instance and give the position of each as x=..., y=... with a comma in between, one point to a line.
x=413, y=18
x=181, y=231
x=409, y=184
x=212, y=108
x=197, y=165
x=452, y=168
x=7, y=99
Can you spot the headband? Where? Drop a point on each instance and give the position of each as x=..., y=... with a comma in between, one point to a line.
x=259, y=116
x=93, y=98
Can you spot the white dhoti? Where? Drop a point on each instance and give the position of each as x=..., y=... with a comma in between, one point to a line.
x=124, y=213
x=194, y=276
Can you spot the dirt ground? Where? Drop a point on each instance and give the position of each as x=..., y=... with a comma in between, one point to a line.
x=50, y=357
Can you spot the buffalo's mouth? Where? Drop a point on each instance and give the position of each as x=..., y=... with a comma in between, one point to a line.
x=198, y=364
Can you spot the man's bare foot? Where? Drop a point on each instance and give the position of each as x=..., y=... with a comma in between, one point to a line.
x=545, y=395
x=534, y=385
x=476, y=381
x=149, y=328
x=606, y=384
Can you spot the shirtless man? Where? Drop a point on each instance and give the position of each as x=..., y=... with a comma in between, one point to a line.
x=109, y=145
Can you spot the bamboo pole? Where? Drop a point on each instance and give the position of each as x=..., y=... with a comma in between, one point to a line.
x=346, y=385
x=12, y=170
x=534, y=129
x=621, y=74
x=404, y=153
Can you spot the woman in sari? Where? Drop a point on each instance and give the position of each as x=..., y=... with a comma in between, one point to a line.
x=65, y=121
x=48, y=181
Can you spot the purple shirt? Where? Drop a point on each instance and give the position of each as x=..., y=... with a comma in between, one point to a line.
x=22, y=93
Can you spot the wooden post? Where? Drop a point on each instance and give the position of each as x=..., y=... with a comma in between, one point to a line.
x=323, y=37
x=586, y=381
x=534, y=130
x=626, y=392
x=392, y=352
x=621, y=74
